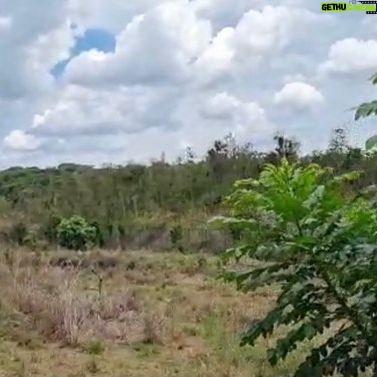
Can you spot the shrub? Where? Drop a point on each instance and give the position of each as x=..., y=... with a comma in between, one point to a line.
x=33, y=241
x=176, y=237
x=75, y=233
x=94, y=347
x=320, y=247
x=49, y=228
x=18, y=232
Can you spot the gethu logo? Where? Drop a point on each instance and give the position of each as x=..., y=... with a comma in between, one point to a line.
x=370, y=7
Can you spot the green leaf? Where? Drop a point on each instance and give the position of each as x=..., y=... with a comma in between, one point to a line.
x=314, y=197
x=366, y=109
x=371, y=143
x=374, y=79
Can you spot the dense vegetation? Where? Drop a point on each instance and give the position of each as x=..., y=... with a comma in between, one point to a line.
x=161, y=205
x=317, y=242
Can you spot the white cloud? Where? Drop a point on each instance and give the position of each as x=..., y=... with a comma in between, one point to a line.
x=83, y=111
x=245, y=119
x=218, y=57
x=223, y=13
x=5, y=23
x=256, y=36
x=20, y=141
x=51, y=48
x=157, y=120
x=132, y=111
x=190, y=51
x=39, y=37
x=111, y=15
x=299, y=95
x=226, y=107
x=293, y=78
x=203, y=119
x=350, y=55
x=158, y=46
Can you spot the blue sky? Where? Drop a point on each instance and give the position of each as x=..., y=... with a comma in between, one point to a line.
x=96, y=38
x=137, y=78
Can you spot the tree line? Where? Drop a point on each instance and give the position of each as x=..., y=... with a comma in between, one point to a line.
x=123, y=202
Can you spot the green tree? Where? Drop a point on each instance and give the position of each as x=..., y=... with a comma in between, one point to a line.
x=75, y=233
x=318, y=243
x=286, y=147
x=338, y=142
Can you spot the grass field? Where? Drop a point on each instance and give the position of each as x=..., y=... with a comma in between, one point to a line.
x=137, y=314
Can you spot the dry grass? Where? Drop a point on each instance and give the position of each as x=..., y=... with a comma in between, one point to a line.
x=156, y=315
x=54, y=305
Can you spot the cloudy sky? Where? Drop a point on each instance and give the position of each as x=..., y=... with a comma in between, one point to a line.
x=95, y=81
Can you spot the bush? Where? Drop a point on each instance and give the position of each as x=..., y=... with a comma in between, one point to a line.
x=33, y=239
x=49, y=228
x=94, y=347
x=75, y=233
x=176, y=237
x=18, y=232
x=320, y=247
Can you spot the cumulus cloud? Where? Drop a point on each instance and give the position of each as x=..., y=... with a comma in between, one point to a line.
x=51, y=47
x=192, y=50
x=31, y=45
x=204, y=118
x=158, y=46
x=299, y=95
x=133, y=117
x=83, y=111
x=351, y=54
x=226, y=107
x=223, y=13
x=244, y=119
x=257, y=35
x=111, y=15
x=20, y=141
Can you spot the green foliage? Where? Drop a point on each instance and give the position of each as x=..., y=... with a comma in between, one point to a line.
x=374, y=79
x=176, y=237
x=50, y=228
x=18, y=232
x=94, y=347
x=75, y=233
x=320, y=247
x=126, y=204
x=371, y=143
x=366, y=110
x=32, y=239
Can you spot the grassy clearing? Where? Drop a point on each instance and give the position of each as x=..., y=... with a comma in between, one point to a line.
x=134, y=314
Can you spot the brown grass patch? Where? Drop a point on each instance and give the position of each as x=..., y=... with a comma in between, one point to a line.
x=157, y=315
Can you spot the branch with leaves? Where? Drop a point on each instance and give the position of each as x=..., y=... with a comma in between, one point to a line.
x=365, y=110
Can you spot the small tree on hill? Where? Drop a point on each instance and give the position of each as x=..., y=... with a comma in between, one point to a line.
x=75, y=233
